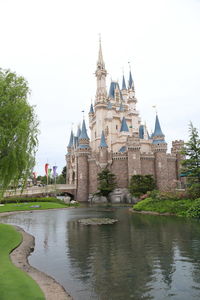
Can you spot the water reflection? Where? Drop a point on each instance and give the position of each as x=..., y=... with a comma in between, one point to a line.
x=140, y=257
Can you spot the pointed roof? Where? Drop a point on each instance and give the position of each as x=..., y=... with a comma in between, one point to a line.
x=103, y=141
x=100, y=61
x=130, y=81
x=83, y=134
x=124, y=126
x=71, y=140
x=91, y=109
x=121, y=108
x=114, y=85
x=123, y=83
x=157, y=130
x=78, y=131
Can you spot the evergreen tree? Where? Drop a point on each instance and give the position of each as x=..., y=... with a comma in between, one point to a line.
x=106, y=182
x=191, y=165
x=18, y=130
x=140, y=184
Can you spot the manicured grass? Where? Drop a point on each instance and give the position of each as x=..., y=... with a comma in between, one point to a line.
x=31, y=206
x=177, y=207
x=14, y=283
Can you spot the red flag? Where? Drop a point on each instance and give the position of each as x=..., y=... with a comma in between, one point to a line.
x=46, y=169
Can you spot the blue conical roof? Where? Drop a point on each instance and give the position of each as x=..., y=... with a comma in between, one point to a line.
x=124, y=126
x=71, y=140
x=157, y=130
x=91, y=109
x=103, y=141
x=130, y=82
x=83, y=134
x=123, y=83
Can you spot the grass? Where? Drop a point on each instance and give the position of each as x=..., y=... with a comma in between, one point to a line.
x=31, y=206
x=14, y=283
x=177, y=207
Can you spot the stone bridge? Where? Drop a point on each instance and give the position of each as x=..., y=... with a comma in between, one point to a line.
x=43, y=190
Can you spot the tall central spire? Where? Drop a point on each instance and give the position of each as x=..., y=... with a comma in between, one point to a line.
x=100, y=62
x=101, y=93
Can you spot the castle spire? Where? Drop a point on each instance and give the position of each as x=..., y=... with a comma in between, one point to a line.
x=101, y=93
x=130, y=81
x=83, y=135
x=124, y=126
x=123, y=83
x=71, y=140
x=157, y=130
x=100, y=62
x=103, y=141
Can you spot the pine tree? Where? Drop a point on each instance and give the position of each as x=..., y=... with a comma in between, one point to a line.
x=191, y=165
x=106, y=182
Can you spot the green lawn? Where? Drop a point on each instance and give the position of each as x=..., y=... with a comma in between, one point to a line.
x=14, y=283
x=30, y=206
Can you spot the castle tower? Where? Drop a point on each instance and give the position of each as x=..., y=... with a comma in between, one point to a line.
x=82, y=165
x=103, y=152
x=159, y=148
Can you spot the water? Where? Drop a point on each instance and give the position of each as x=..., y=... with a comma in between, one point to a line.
x=140, y=257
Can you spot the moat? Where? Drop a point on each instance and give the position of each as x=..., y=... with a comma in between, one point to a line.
x=139, y=257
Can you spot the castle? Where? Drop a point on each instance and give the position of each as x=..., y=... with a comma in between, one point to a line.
x=119, y=141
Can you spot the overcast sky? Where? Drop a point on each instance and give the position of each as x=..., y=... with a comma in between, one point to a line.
x=54, y=45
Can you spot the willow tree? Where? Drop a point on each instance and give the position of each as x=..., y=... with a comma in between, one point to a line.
x=18, y=130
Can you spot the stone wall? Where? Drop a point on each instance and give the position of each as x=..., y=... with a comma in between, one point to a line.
x=93, y=170
x=120, y=169
x=147, y=165
x=83, y=175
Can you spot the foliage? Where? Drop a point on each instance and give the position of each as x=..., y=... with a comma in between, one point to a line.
x=15, y=284
x=64, y=172
x=106, y=182
x=162, y=196
x=30, y=199
x=18, y=130
x=194, y=211
x=178, y=207
x=140, y=184
x=193, y=191
x=191, y=165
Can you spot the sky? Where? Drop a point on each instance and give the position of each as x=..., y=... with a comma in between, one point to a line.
x=54, y=45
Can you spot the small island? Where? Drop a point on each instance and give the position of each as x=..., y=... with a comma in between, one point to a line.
x=97, y=221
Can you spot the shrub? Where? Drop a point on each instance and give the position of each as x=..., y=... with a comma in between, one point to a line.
x=194, y=191
x=141, y=184
x=30, y=199
x=194, y=211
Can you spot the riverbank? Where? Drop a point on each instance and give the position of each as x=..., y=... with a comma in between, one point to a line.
x=19, y=256
x=51, y=288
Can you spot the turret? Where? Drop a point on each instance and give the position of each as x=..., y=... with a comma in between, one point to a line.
x=71, y=140
x=124, y=127
x=103, y=151
x=159, y=148
x=83, y=168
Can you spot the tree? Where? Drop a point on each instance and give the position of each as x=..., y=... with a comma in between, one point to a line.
x=191, y=163
x=106, y=183
x=64, y=172
x=140, y=184
x=18, y=130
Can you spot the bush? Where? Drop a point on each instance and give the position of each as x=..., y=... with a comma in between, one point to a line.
x=141, y=184
x=162, y=196
x=30, y=199
x=194, y=191
x=194, y=211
